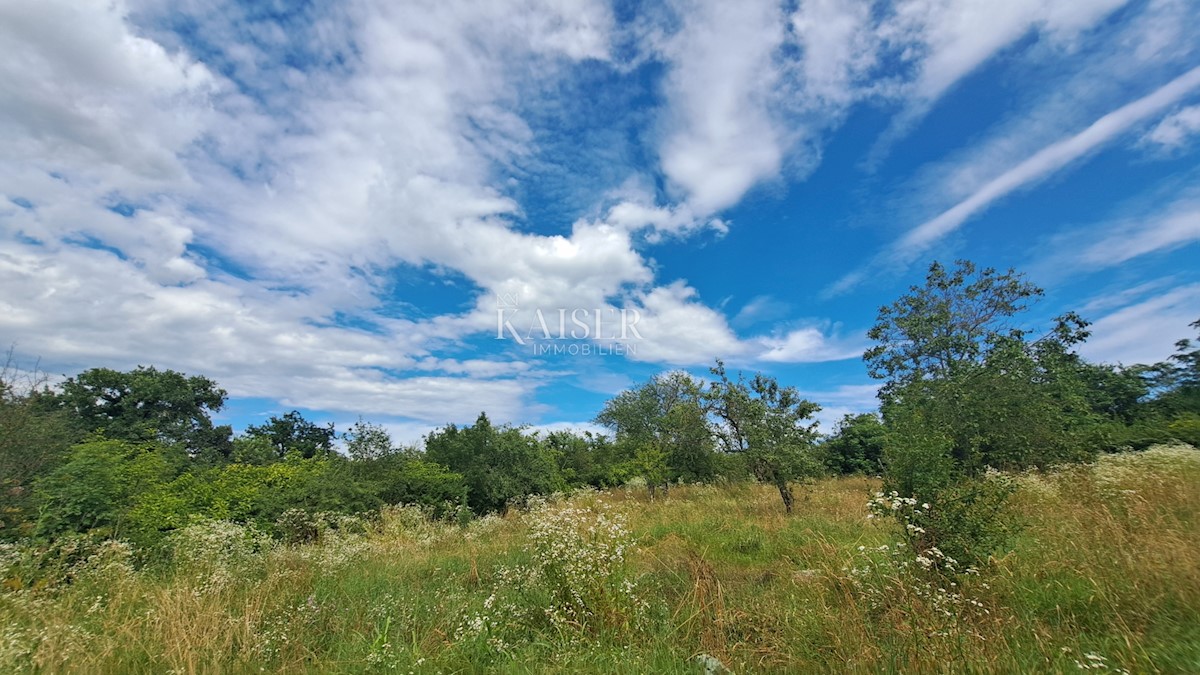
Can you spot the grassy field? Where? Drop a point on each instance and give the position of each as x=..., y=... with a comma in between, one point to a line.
x=1105, y=576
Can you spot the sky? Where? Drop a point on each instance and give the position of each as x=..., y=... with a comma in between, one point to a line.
x=417, y=211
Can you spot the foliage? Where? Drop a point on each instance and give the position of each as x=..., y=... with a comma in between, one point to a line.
x=663, y=425
x=366, y=441
x=498, y=464
x=856, y=446
x=768, y=425
x=956, y=318
x=589, y=459
x=147, y=404
x=402, y=479
x=293, y=433
x=33, y=441
x=97, y=487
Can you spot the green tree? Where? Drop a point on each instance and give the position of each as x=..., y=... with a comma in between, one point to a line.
x=366, y=441
x=1175, y=383
x=769, y=425
x=966, y=388
x=664, y=419
x=856, y=446
x=955, y=319
x=952, y=349
x=147, y=404
x=33, y=441
x=498, y=464
x=293, y=433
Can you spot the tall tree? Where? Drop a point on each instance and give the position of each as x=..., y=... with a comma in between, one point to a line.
x=770, y=425
x=148, y=404
x=955, y=319
x=952, y=352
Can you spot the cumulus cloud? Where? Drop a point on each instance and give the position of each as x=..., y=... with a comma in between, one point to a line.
x=234, y=204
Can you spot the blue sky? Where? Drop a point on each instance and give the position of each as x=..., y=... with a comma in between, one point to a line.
x=342, y=207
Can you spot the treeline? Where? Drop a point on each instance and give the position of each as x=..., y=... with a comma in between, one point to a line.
x=135, y=455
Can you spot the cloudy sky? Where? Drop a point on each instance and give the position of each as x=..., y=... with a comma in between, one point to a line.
x=370, y=207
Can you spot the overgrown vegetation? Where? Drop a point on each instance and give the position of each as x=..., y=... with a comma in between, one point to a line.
x=616, y=582
x=1002, y=510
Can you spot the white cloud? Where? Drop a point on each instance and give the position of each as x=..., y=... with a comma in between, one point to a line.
x=1177, y=227
x=840, y=46
x=723, y=137
x=946, y=40
x=1144, y=332
x=809, y=345
x=1033, y=168
x=1175, y=130
x=1051, y=159
x=836, y=403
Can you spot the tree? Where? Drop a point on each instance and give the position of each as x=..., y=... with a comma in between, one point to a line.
x=147, y=404
x=856, y=446
x=965, y=388
x=662, y=425
x=293, y=433
x=366, y=441
x=1175, y=383
x=952, y=351
x=769, y=425
x=955, y=319
x=33, y=441
x=498, y=464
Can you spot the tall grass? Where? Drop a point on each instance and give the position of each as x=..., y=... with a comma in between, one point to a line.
x=1105, y=577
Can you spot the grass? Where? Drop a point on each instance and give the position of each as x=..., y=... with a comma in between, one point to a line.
x=1104, y=577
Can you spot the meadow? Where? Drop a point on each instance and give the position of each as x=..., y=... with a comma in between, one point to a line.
x=1103, y=576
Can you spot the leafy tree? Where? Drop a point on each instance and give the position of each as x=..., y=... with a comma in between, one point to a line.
x=856, y=446
x=147, y=404
x=769, y=425
x=966, y=388
x=97, y=487
x=956, y=318
x=366, y=441
x=663, y=425
x=293, y=433
x=498, y=464
x=952, y=350
x=1175, y=383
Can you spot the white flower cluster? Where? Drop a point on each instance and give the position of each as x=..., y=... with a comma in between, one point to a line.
x=1116, y=472
x=576, y=577
x=891, y=578
x=217, y=553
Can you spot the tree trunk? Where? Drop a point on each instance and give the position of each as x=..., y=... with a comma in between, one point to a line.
x=785, y=492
